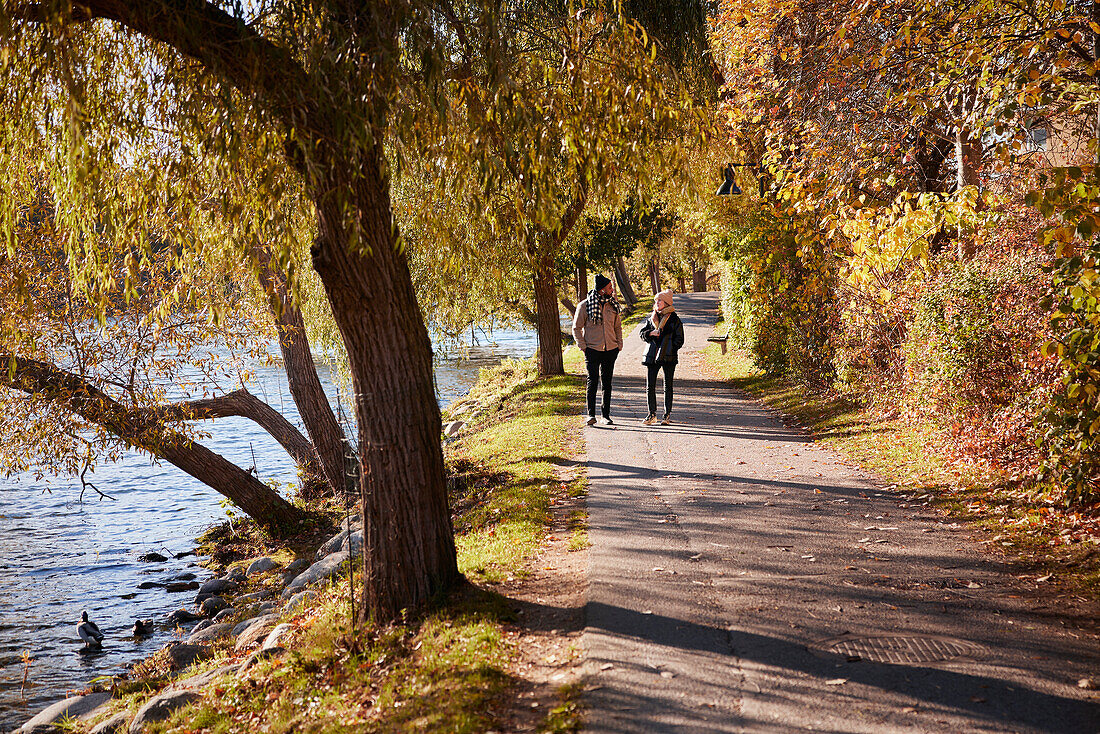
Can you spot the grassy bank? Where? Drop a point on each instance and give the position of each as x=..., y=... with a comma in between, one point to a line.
x=450, y=670
x=1051, y=545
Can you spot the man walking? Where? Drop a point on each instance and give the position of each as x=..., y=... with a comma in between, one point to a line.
x=598, y=329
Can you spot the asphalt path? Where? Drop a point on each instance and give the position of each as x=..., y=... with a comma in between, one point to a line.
x=743, y=579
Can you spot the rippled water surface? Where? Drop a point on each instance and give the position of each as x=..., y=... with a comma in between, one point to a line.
x=59, y=556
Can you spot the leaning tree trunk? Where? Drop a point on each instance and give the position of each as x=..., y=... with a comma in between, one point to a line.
x=145, y=430
x=244, y=404
x=409, y=550
x=336, y=457
x=622, y=278
x=546, y=309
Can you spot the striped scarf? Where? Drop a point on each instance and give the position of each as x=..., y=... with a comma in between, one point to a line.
x=596, y=301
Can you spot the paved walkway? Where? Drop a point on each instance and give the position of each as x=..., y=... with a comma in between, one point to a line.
x=744, y=580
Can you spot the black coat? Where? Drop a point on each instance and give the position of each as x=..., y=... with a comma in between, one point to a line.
x=663, y=349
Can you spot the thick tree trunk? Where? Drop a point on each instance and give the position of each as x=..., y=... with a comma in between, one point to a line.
x=546, y=309
x=335, y=455
x=542, y=252
x=581, y=282
x=409, y=551
x=622, y=278
x=144, y=430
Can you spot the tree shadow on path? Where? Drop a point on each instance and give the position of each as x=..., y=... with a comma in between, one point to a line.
x=992, y=703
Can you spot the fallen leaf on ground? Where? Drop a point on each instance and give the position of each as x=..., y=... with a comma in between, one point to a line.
x=836, y=682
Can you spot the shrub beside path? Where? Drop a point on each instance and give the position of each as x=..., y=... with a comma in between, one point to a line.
x=744, y=580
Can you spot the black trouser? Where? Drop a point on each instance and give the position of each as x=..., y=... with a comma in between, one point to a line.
x=651, y=385
x=601, y=369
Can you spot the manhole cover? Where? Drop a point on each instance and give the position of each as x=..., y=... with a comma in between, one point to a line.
x=901, y=648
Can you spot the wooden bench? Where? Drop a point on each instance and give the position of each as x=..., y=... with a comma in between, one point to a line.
x=721, y=339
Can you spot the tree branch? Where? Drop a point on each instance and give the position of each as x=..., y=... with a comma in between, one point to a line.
x=145, y=431
x=222, y=43
x=243, y=404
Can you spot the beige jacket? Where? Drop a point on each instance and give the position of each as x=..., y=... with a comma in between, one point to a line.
x=604, y=336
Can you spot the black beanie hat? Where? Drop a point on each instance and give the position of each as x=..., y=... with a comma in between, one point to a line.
x=601, y=282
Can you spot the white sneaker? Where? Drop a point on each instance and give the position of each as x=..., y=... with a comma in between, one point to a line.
x=650, y=419
x=666, y=420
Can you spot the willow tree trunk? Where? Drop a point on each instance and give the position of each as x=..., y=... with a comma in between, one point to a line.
x=329, y=441
x=409, y=550
x=546, y=310
x=622, y=277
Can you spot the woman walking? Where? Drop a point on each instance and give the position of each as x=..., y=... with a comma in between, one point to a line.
x=665, y=333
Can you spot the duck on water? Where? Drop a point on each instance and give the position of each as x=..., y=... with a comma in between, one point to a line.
x=88, y=631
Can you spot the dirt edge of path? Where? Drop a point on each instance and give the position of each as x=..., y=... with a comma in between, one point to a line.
x=549, y=597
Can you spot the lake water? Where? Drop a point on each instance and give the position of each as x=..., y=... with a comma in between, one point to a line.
x=59, y=556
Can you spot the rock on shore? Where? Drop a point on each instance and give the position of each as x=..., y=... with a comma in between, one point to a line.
x=323, y=570
x=71, y=708
x=160, y=707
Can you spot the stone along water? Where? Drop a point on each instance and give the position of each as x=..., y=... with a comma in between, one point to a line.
x=59, y=556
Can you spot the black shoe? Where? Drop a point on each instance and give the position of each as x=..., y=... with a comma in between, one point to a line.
x=607, y=421
x=666, y=420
